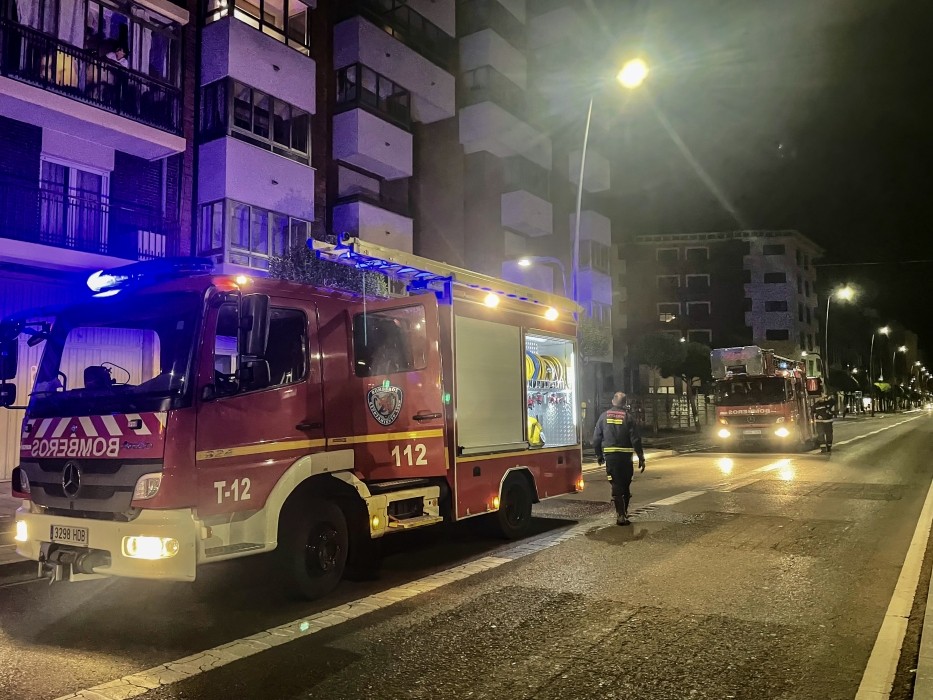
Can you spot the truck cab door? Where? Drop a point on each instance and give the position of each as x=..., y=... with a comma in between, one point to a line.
x=392, y=406
x=253, y=424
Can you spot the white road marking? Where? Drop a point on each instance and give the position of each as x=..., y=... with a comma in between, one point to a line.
x=679, y=498
x=875, y=432
x=878, y=678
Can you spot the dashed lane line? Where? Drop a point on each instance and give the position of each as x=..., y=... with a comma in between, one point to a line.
x=875, y=432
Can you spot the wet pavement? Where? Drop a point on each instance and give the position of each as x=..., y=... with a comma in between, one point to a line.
x=744, y=576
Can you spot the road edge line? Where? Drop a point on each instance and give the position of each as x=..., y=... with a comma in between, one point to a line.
x=878, y=678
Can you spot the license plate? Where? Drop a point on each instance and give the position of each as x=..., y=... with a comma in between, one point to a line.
x=64, y=534
x=753, y=432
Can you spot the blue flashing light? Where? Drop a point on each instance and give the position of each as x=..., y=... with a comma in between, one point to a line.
x=106, y=283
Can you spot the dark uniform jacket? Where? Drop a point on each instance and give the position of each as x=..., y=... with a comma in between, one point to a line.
x=616, y=431
x=824, y=410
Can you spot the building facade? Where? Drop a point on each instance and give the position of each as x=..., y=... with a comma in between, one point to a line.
x=720, y=289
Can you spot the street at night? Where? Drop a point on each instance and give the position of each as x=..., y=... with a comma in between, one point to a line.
x=753, y=575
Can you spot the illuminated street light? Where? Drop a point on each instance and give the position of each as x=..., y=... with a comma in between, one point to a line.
x=901, y=349
x=846, y=293
x=530, y=260
x=633, y=74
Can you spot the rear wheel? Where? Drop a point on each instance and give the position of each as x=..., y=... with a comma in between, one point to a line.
x=513, y=518
x=312, y=550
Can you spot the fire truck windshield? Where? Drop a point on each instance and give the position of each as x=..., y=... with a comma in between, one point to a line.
x=123, y=354
x=750, y=391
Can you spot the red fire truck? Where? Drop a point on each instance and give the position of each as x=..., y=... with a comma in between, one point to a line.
x=180, y=417
x=762, y=397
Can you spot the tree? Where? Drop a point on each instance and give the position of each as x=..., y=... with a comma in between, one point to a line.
x=664, y=354
x=595, y=338
x=696, y=365
x=301, y=264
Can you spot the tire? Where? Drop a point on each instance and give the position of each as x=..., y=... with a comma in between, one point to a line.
x=513, y=518
x=312, y=549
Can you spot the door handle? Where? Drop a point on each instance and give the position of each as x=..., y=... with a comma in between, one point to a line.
x=426, y=416
x=309, y=426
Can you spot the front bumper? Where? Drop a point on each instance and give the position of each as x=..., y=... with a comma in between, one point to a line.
x=762, y=433
x=106, y=537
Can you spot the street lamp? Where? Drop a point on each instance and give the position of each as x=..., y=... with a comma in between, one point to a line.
x=901, y=349
x=632, y=75
x=884, y=330
x=528, y=261
x=846, y=293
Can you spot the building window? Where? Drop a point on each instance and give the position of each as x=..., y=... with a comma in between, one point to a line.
x=809, y=317
x=698, y=309
x=747, y=276
x=697, y=281
x=257, y=118
x=600, y=312
x=287, y=21
x=247, y=235
x=668, y=312
x=798, y=256
x=777, y=334
x=773, y=249
x=594, y=256
x=748, y=303
x=775, y=306
x=799, y=285
x=668, y=255
x=74, y=207
x=697, y=254
x=701, y=335
x=775, y=277
x=390, y=341
x=806, y=288
x=359, y=86
x=668, y=281
x=803, y=339
x=799, y=312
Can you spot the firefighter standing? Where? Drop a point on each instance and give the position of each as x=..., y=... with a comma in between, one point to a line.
x=824, y=410
x=615, y=440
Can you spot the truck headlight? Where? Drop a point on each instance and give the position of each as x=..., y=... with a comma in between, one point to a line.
x=141, y=547
x=21, y=533
x=723, y=433
x=147, y=486
x=782, y=432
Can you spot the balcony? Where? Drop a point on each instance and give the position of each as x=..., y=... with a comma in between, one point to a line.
x=48, y=82
x=477, y=15
x=596, y=173
x=359, y=86
x=487, y=48
x=88, y=229
x=376, y=220
x=398, y=19
x=594, y=286
x=487, y=126
x=366, y=141
x=527, y=213
x=432, y=88
x=594, y=227
x=486, y=84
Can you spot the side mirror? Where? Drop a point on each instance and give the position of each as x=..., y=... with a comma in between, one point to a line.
x=254, y=325
x=9, y=358
x=7, y=394
x=254, y=375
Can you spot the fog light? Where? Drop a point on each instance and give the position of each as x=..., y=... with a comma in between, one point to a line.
x=21, y=534
x=376, y=522
x=147, y=486
x=150, y=547
x=723, y=433
x=495, y=503
x=782, y=432
x=580, y=485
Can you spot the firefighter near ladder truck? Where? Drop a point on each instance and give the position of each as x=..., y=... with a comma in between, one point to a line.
x=260, y=415
x=762, y=398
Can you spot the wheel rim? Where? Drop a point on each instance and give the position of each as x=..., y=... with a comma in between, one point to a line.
x=515, y=507
x=322, y=550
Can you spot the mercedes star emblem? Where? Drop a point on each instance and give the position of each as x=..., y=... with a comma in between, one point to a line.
x=71, y=479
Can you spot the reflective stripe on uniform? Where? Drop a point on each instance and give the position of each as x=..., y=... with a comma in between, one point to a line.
x=618, y=449
x=615, y=421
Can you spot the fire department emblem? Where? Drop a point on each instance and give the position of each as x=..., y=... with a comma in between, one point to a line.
x=385, y=403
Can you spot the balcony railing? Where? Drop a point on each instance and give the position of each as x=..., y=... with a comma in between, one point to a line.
x=486, y=84
x=411, y=28
x=359, y=86
x=47, y=213
x=46, y=62
x=392, y=204
x=476, y=15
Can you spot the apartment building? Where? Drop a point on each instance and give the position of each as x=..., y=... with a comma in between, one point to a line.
x=96, y=152
x=721, y=289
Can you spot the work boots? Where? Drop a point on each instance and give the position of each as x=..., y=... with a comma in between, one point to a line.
x=622, y=512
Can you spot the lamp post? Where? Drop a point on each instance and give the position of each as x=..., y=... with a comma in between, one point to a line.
x=845, y=294
x=901, y=349
x=528, y=261
x=871, y=367
x=631, y=76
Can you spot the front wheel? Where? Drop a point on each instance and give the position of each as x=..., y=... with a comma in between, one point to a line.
x=312, y=549
x=513, y=518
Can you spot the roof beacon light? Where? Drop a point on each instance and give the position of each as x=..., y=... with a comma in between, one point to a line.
x=106, y=283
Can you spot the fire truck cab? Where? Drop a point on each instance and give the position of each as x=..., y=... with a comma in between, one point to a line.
x=257, y=415
x=762, y=398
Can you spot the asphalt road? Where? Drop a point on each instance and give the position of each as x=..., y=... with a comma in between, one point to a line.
x=756, y=576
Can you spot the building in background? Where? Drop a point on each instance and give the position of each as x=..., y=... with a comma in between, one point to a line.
x=720, y=289
x=96, y=153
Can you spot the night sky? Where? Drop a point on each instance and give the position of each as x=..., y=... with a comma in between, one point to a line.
x=806, y=114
